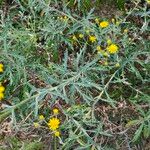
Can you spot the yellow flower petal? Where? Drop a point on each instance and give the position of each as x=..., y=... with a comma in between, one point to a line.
x=55, y=111
x=81, y=36
x=105, y=54
x=98, y=48
x=104, y=24
x=41, y=117
x=112, y=49
x=74, y=37
x=92, y=38
x=87, y=31
x=1, y=65
x=53, y=123
x=57, y=133
x=113, y=20
x=109, y=41
x=125, y=30
x=36, y=125
x=1, y=70
x=117, y=65
x=1, y=96
x=148, y=1
x=97, y=20
x=106, y=63
x=2, y=88
x=117, y=23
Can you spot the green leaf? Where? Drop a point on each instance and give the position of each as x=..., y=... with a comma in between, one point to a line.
x=132, y=123
x=138, y=133
x=120, y=4
x=146, y=131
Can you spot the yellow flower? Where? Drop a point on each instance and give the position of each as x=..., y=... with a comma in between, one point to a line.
x=125, y=30
x=55, y=111
x=130, y=39
x=104, y=24
x=1, y=70
x=112, y=49
x=109, y=41
x=97, y=20
x=36, y=125
x=2, y=88
x=98, y=48
x=41, y=117
x=74, y=37
x=117, y=23
x=61, y=18
x=117, y=65
x=113, y=20
x=57, y=133
x=65, y=18
x=1, y=96
x=53, y=123
x=87, y=31
x=105, y=54
x=106, y=63
x=1, y=67
x=81, y=36
x=92, y=38
x=148, y=1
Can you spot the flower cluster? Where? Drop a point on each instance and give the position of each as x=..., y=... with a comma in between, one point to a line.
x=106, y=48
x=91, y=38
x=101, y=35
x=53, y=123
x=2, y=88
x=111, y=47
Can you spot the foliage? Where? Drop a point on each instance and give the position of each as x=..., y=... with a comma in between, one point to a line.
x=49, y=64
x=13, y=143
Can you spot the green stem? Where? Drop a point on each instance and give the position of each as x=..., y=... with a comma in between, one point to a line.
x=7, y=112
x=55, y=144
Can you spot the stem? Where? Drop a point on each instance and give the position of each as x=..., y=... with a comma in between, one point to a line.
x=6, y=113
x=55, y=144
